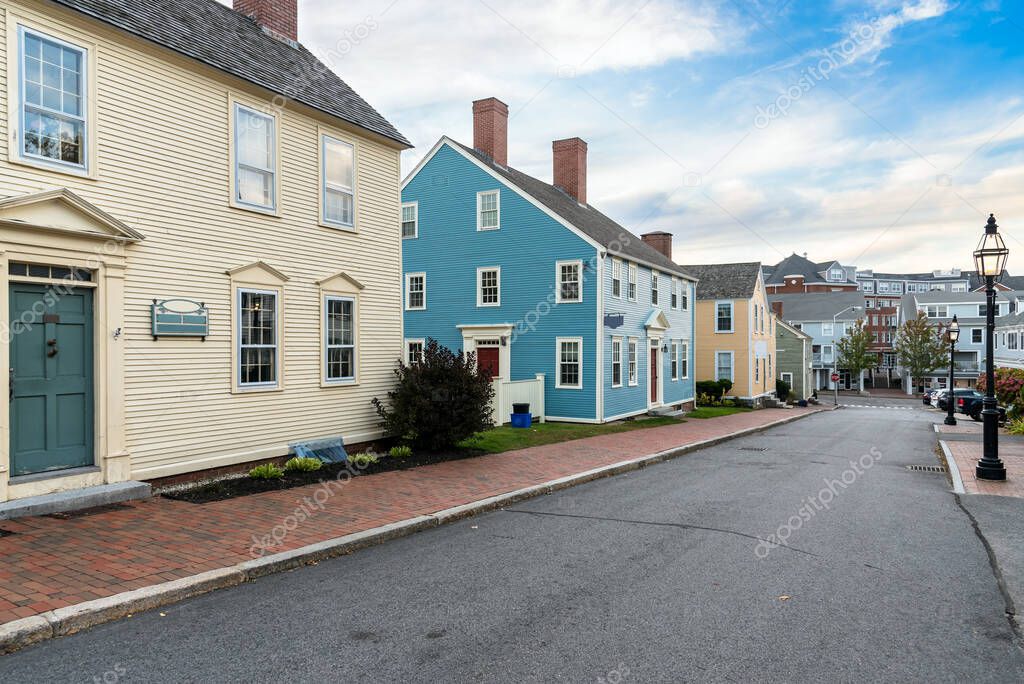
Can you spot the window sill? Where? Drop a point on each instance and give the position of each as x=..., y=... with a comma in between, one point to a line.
x=42, y=165
x=418, y=308
x=252, y=209
x=487, y=230
x=565, y=387
x=257, y=390
x=340, y=226
x=330, y=384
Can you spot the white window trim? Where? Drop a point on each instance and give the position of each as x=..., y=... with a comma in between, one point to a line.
x=277, y=339
x=479, y=211
x=16, y=89
x=684, y=296
x=272, y=209
x=732, y=316
x=578, y=263
x=617, y=276
x=783, y=376
x=674, y=360
x=355, y=341
x=675, y=295
x=324, y=139
x=655, y=288
x=828, y=329
x=633, y=361
x=617, y=341
x=408, y=277
x=732, y=364
x=631, y=280
x=409, y=341
x=684, y=356
x=480, y=287
x=415, y=221
x=558, y=362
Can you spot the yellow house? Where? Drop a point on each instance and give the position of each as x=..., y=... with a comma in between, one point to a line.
x=735, y=329
x=199, y=243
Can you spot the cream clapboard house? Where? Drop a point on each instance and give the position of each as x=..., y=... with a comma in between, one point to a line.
x=186, y=165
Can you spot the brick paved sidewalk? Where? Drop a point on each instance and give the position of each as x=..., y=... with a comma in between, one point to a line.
x=50, y=563
x=966, y=455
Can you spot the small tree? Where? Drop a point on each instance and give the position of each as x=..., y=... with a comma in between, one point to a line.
x=855, y=353
x=439, y=401
x=921, y=347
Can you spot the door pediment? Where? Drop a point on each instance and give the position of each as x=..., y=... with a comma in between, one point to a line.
x=63, y=211
x=657, y=320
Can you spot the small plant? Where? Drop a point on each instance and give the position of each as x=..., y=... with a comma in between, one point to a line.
x=267, y=471
x=1016, y=427
x=302, y=465
x=400, y=451
x=363, y=460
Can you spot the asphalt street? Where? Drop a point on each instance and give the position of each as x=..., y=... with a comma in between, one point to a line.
x=662, y=575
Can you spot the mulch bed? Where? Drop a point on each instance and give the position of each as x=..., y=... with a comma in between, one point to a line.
x=245, y=486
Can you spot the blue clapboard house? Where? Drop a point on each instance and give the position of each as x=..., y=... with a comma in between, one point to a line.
x=546, y=290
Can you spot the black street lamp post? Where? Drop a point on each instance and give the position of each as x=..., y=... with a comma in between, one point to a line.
x=952, y=334
x=990, y=260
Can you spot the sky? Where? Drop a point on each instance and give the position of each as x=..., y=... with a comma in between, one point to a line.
x=877, y=132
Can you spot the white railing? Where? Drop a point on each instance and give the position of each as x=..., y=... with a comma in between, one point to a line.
x=508, y=392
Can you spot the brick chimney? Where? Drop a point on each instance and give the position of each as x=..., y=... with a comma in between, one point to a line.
x=659, y=240
x=777, y=308
x=490, y=129
x=279, y=17
x=569, y=161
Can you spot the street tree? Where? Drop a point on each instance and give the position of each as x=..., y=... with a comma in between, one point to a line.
x=854, y=352
x=921, y=347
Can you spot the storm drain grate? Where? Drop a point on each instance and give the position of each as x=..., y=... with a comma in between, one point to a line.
x=926, y=468
x=86, y=512
x=6, y=533
x=753, y=448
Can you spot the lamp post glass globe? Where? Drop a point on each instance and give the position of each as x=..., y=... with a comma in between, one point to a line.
x=991, y=255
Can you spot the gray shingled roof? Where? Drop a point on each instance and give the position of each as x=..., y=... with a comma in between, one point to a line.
x=819, y=307
x=798, y=265
x=208, y=31
x=725, y=281
x=587, y=219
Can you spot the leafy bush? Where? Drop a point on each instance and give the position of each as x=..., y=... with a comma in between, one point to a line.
x=1009, y=389
x=783, y=389
x=302, y=465
x=438, y=402
x=715, y=389
x=400, y=452
x=1016, y=427
x=267, y=471
x=363, y=460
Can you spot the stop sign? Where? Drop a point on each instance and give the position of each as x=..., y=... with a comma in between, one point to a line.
x=835, y=377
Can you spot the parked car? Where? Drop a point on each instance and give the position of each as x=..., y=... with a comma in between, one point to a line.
x=959, y=395
x=926, y=398
x=972, y=406
x=937, y=396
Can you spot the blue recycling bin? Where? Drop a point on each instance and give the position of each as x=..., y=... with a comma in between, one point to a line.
x=522, y=420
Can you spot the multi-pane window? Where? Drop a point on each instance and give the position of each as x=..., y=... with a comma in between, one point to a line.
x=675, y=294
x=339, y=173
x=685, y=295
x=757, y=370
x=631, y=286
x=488, y=209
x=255, y=158
x=257, y=338
x=634, y=360
x=723, y=366
x=675, y=360
x=977, y=335
x=415, y=291
x=828, y=329
x=414, y=351
x=616, y=278
x=684, y=360
x=723, y=317
x=54, y=106
x=340, y=338
x=410, y=220
x=654, y=288
x=616, y=362
x=936, y=311
x=488, y=286
x=569, y=281
x=570, y=363
x=1012, y=341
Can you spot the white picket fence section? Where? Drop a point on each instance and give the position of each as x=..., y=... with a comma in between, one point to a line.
x=508, y=392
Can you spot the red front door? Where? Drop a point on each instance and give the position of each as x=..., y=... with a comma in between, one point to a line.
x=487, y=361
x=654, y=375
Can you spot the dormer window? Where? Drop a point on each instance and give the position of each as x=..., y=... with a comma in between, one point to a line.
x=837, y=275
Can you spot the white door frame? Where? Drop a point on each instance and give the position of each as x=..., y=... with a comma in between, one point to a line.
x=654, y=344
x=499, y=331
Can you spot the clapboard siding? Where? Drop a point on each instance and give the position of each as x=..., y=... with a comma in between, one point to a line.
x=163, y=167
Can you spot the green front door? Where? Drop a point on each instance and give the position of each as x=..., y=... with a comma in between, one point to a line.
x=51, y=392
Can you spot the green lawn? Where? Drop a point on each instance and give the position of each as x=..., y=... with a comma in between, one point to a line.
x=716, y=411
x=508, y=438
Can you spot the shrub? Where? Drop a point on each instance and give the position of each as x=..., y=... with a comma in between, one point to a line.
x=1009, y=389
x=267, y=471
x=302, y=465
x=400, y=452
x=363, y=460
x=438, y=402
x=716, y=389
x=1016, y=427
x=783, y=389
